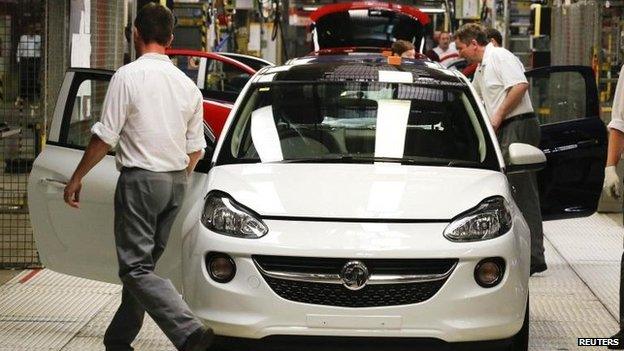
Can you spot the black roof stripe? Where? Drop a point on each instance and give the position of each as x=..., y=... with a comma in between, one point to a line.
x=361, y=68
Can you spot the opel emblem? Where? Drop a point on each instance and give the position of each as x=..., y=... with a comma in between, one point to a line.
x=354, y=275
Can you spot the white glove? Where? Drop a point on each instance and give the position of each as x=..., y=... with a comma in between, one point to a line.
x=612, y=185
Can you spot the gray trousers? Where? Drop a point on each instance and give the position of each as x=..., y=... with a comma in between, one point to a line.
x=146, y=204
x=524, y=185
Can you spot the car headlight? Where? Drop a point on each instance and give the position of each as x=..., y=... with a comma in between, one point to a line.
x=224, y=216
x=489, y=219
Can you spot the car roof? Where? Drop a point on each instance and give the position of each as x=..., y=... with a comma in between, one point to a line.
x=359, y=67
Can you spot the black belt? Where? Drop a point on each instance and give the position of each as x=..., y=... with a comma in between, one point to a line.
x=518, y=118
x=124, y=168
x=127, y=169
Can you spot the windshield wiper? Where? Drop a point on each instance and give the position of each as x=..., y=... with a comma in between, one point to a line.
x=464, y=163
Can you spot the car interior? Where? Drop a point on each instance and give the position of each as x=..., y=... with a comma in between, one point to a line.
x=345, y=124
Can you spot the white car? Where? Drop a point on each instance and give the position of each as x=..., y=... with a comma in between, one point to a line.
x=345, y=197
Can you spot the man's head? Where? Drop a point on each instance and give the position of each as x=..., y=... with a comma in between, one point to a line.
x=445, y=40
x=153, y=26
x=403, y=48
x=470, y=41
x=494, y=37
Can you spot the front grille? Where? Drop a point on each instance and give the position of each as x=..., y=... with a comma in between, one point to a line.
x=338, y=295
x=369, y=296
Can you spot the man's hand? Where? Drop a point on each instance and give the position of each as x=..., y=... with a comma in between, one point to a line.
x=194, y=157
x=95, y=151
x=510, y=102
x=72, y=193
x=612, y=185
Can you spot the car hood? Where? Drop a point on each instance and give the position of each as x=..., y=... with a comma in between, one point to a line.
x=366, y=24
x=357, y=191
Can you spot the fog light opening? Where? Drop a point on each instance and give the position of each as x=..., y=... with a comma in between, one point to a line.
x=489, y=272
x=220, y=267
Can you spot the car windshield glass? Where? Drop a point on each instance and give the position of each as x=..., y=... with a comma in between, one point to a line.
x=357, y=122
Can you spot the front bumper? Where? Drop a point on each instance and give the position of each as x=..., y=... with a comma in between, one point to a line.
x=460, y=311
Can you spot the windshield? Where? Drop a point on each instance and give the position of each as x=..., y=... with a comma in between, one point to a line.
x=358, y=122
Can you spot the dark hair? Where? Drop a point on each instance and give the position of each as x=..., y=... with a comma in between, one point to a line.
x=401, y=46
x=470, y=31
x=492, y=33
x=154, y=23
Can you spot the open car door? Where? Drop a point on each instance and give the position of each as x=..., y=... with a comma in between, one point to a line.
x=574, y=139
x=80, y=242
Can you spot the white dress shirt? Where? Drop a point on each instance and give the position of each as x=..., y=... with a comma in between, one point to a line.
x=498, y=72
x=153, y=113
x=617, y=112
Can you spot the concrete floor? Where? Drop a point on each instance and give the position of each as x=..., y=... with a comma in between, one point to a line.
x=6, y=275
x=577, y=297
x=616, y=217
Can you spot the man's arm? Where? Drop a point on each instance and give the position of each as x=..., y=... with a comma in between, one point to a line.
x=96, y=150
x=195, y=140
x=512, y=100
x=616, y=147
x=612, y=185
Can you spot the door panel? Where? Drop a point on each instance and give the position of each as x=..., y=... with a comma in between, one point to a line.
x=75, y=241
x=80, y=242
x=574, y=140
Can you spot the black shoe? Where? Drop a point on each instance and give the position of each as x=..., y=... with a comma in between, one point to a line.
x=199, y=340
x=538, y=268
x=620, y=345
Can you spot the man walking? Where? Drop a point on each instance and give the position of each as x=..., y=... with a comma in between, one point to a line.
x=503, y=87
x=612, y=183
x=153, y=114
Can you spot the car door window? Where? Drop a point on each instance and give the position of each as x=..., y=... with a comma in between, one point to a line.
x=216, y=79
x=85, y=111
x=573, y=137
x=558, y=96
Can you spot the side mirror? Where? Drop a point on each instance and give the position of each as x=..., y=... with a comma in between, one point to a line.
x=525, y=158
